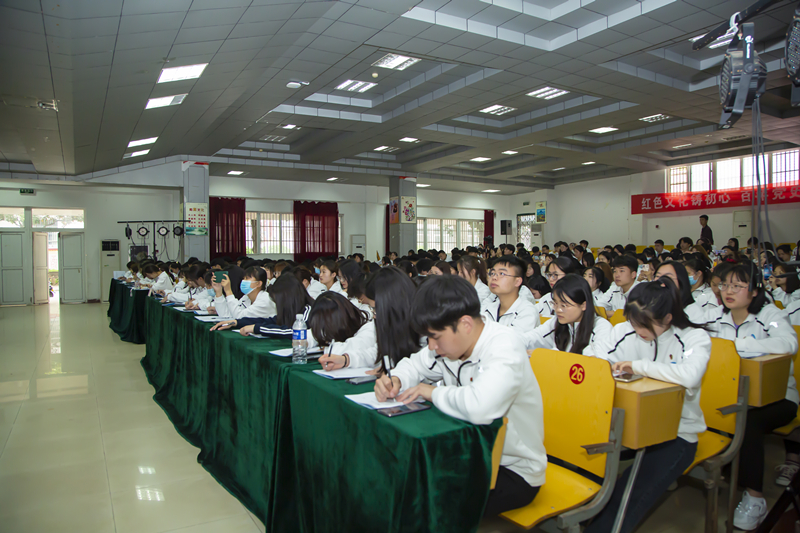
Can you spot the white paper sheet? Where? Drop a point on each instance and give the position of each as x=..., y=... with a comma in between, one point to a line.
x=343, y=373
x=213, y=318
x=287, y=352
x=370, y=401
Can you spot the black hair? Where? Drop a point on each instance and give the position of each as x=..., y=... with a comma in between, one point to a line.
x=792, y=282
x=537, y=269
x=151, y=269
x=735, y=243
x=704, y=216
x=408, y=267
x=684, y=287
x=259, y=274
x=750, y=274
x=607, y=255
x=290, y=298
x=424, y=265
x=334, y=319
x=444, y=266
x=567, y=264
x=393, y=293
x=584, y=243
x=630, y=248
x=220, y=262
x=440, y=303
x=659, y=241
x=538, y=284
x=626, y=261
x=602, y=282
x=470, y=263
x=699, y=266
x=510, y=261
x=686, y=240
x=350, y=272
x=577, y=289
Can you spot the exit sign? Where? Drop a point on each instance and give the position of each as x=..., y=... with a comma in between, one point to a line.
x=29, y=192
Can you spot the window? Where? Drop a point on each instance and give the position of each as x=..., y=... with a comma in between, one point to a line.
x=446, y=234
x=748, y=170
x=701, y=177
x=785, y=167
x=729, y=174
x=449, y=234
x=58, y=218
x=434, y=234
x=678, y=180
x=250, y=232
x=12, y=217
x=471, y=233
x=420, y=232
x=273, y=233
x=341, y=225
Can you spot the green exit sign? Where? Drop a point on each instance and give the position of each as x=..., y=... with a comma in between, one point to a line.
x=29, y=192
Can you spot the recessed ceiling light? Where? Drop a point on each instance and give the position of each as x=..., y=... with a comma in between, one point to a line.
x=235, y=173
x=332, y=179
x=189, y=72
x=681, y=146
x=386, y=149
x=289, y=126
x=481, y=159
x=722, y=40
x=498, y=109
x=136, y=154
x=142, y=142
x=721, y=43
x=423, y=185
x=409, y=140
x=355, y=85
x=491, y=190
x=654, y=118
x=588, y=163
x=165, y=101
x=395, y=62
x=559, y=168
x=605, y=129
x=548, y=93
x=273, y=138
x=510, y=152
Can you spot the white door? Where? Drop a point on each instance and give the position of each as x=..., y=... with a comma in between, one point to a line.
x=741, y=227
x=41, y=285
x=11, y=273
x=71, y=268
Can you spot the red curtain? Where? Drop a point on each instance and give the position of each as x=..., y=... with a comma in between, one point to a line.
x=316, y=230
x=488, y=225
x=387, y=230
x=226, y=224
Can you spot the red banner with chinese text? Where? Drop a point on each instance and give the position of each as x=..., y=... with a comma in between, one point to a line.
x=668, y=203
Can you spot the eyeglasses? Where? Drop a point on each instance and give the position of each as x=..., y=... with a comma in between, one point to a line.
x=493, y=273
x=552, y=276
x=724, y=287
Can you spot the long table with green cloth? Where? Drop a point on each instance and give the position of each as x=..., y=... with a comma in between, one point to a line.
x=126, y=310
x=296, y=452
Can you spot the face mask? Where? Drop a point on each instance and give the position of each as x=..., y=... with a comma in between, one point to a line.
x=211, y=292
x=245, y=287
x=316, y=270
x=692, y=281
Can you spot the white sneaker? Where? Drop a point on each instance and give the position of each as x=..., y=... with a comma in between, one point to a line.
x=785, y=473
x=750, y=512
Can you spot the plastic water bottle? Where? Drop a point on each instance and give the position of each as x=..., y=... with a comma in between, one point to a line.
x=299, y=340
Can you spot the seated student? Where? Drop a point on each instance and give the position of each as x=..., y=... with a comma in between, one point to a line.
x=537, y=286
x=598, y=283
x=441, y=268
x=486, y=375
x=587, y=261
x=785, y=285
x=408, y=267
x=390, y=292
x=181, y=292
x=784, y=253
x=159, y=281
x=576, y=327
x=314, y=287
x=203, y=297
x=508, y=307
x=473, y=270
x=424, y=266
x=793, y=312
x=291, y=299
x=269, y=267
x=677, y=273
x=699, y=277
x=755, y=325
x=328, y=273
x=346, y=334
x=554, y=272
x=658, y=341
x=605, y=257
x=349, y=274
x=256, y=302
x=625, y=267
x=131, y=273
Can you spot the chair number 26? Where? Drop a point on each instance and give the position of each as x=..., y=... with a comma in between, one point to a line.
x=576, y=374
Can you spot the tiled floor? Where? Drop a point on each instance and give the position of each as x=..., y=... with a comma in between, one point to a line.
x=84, y=449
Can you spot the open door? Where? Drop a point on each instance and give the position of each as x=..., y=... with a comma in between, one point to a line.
x=41, y=284
x=71, y=268
x=11, y=271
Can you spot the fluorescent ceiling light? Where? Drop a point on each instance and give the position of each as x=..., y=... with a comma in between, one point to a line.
x=510, y=152
x=588, y=163
x=188, y=72
x=235, y=173
x=548, y=93
x=559, y=168
x=604, y=129
x=720, y=43
x=491, y=190
x=355, y=85
x=386, y=149
x=142, y=142
x=409, y=140
x=498, y=109
x=289, y=126
x=273, y=138
x=481, y=159
x=332, y=179
x=654, y=118
x=136, y=154
x=165, y=101
x=681, y=146
x=423, y=185
x=395, y=62
x=722, y=40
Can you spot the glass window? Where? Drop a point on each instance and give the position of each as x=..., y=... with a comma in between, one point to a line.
x=448, y=235
x=748, y=170
x=420, y=233
x=701, y=177
x=677, y=180
x=287, y=233
x=58, y=218
x=434, y=227
x=729, y=174
x=270, y=234
x=12, y=217
x=250, y=232
x=341, y=223
x=785, y=167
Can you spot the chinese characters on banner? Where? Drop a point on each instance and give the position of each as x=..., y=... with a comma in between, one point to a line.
x=667, y=203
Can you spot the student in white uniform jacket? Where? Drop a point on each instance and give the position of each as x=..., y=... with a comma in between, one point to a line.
x=785, y=285
x=625, y=268
x=508, y=307
x=677, y=273
x=755, y=325
x=555, y=271
x=576, y=327
x=485, y=374
x=158, y=280
x=473, y=269
x=345, y=334
x=793, y=312
x=659, y=342
x=700, y=276
x=256, y=302
x=598, y=283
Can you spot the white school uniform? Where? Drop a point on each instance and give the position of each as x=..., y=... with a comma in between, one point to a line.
x=354, y=301
x=362, y=348
x=545, y=305
x=615, y=299
x=228, y=307
x=182, y=296
x=705, y=297
x=793, y=312
x=522, y=316
x=203, y=299
x=315, y=288
x=600, y=343
x=162, y=283
x=785, y=298
x=767, y=332
x=483, y=290
x=597, y=295
x=337, y=287
x=526, y=294
x=677, y=356
x=495, y=381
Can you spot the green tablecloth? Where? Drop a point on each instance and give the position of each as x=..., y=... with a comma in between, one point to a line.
x=297, y=453
x=126, y=311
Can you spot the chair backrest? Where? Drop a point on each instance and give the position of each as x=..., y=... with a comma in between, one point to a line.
x=796, y=332
x=543, y=319
x=497, y=452
x=720, y=385
x=779, y=305
x=617, y=318
x=578, y=397
x=601, y=312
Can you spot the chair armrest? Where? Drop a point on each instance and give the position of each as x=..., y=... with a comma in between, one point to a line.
x=594, y=449
x=730, y=409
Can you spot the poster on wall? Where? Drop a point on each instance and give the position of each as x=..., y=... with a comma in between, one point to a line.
x=667, y=203
x=541, y=212
x=394, y=210
x=408, y=215
x=197, y=216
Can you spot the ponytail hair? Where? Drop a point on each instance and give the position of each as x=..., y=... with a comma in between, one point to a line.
x=575, y=288
x=470, y=263
x=684, y=287
x=603, y=283
x=650, y=303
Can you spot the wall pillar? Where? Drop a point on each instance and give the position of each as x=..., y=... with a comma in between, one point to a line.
x=195, y=190
x=402, y=237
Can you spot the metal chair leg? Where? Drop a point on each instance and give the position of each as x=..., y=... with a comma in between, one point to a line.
x=712, y=500
x=734, y=482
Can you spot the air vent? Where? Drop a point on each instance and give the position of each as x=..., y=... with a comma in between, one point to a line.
x=736, y=138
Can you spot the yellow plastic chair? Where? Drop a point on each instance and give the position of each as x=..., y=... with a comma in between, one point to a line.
x=779, y=305
x=617, y=318
x=543, y=319
x=723, y=399
x=583, y=429
x=640, y=249
x=601, y=312
x=786, y=430
x=497, y=452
